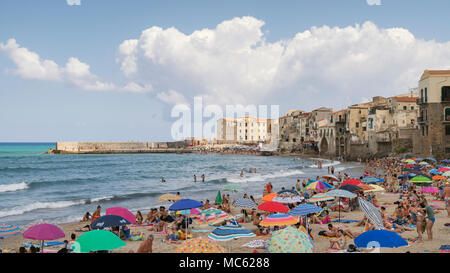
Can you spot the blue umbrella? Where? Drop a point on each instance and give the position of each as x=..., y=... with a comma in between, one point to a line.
x=305, y=209
x=432, y=159
x=185, y=204
x=434, y=171
x=379, y=238
x=109, y=221
x=372, y=180
x=226, y=233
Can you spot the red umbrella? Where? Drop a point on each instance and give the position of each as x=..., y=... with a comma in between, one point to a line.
x=443, y=170
x=272, y=206
x=43, y=232
x=410, y=165
x=123, y=212
x=354, y=182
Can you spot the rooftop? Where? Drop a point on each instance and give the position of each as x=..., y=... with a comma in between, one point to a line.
x=435, y=73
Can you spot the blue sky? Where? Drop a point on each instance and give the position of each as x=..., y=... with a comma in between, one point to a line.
x=69, y=108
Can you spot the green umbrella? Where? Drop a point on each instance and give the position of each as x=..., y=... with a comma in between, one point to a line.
x=97, y=240
x=233, y=187
x=219, y=198
x=420, y=179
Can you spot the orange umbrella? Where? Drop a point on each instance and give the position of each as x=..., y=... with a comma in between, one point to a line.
x=269, y=197
x=439, y=177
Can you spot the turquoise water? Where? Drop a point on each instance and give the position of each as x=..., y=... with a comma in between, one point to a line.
x=61, y=188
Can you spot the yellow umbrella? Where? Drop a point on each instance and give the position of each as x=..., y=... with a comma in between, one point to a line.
x=375, y=188
x=199, y=245
x=168, y=196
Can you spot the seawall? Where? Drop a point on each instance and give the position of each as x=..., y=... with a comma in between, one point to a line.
x=119, y=147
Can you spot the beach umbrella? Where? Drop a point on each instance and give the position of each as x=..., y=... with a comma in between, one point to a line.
x=375, y=188
x=331, y=177
x=289, y=240
x=272, y=206
x=96, y=240
x=354, y=182
x=213, y=215
x=278, y=219
x=341, y=193
x=420, y=180
x=269, y=196
x=109, y=221
x=123, y=212
x=189, y=212
x=372, y=180
x=219, y=198
x=318, y=185
x=9, y=230
x=233, y=187
x=168, y=197
x=43, y=232
x=424, y=163
x=199, y=245
x=410, y=161
x=371, y=213
x=434, y=171
x=429, y=190
x=350, y=188
x=305, y=209
x=443, y=170
x=446, y=174
x=289, y=192
x=320, y=197
x=245, y=203
x=432, y=159
x=227, y=233
x=379, y=238
x=185, y=204
x=288, y=199
x=439, y=177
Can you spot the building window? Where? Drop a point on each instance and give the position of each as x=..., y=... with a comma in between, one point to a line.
x=426, y=95
x=446, y=93
x=412, y=107
x=447, y=130
x=421, y=94
x=357, y=125
x=404, y=108
x=447, y=114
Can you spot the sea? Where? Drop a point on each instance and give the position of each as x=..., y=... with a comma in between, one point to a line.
x=61, y=188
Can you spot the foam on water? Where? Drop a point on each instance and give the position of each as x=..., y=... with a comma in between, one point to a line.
x=264, y=177
x=13, y=187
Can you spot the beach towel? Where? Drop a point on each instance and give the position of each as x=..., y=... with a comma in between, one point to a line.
x=345, y=221
x=331, y=250
x=201, y=230
x=327, y=237
x=54, y=243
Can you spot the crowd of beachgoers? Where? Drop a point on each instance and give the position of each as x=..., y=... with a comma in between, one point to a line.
x=405, y=196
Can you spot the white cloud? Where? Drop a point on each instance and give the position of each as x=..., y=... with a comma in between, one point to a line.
x=136, y=88
x=234, y=63
x=172, y=97
x=31, y=66
x=73, y=2
x=374, y=2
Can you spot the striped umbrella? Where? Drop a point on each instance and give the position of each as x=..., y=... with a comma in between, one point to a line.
x=288, y=199
x=446, y=174
x=372, y=180
x=372, y=213
x=278, y=219
x=443, y=170
x=331, y=177
x=245, y=203
x=321, y=197
x=189, y=212
x=318, y=185
x=9, y=230
x=227, y=233
x=305, y=209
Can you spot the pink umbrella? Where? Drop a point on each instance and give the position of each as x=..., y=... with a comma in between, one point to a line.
x=429, y=190
x=123, y=212
x=43, y=232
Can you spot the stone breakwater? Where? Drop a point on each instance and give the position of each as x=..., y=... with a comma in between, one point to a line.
x=119, y=147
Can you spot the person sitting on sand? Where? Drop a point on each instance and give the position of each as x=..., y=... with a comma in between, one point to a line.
x=171, y=236
x=245, y=218
x=139, y=218
x=206, y=205
x=22, y=250
x=146, y=246
x=86, y=217
x=151, y=216
x=322, y=219
x=339, y=242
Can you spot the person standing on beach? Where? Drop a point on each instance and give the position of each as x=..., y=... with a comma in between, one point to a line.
x=446, y=194
x=254, y=170
x=430, y=219
x=242, y=174
x=332, y=170
x=96, y=213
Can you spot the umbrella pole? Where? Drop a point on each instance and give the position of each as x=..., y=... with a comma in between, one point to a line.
x=42, y=246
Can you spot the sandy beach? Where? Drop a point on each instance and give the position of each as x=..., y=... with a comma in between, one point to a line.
x=441, y=233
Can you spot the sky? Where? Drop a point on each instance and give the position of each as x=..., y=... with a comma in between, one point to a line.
x=97, y=70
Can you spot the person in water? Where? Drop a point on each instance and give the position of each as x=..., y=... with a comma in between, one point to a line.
x=163, y=180
x=242, y=174
x=195, y=178
x=203, y=177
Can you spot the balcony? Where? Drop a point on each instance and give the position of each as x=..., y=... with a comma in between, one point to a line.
x=420, y=120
